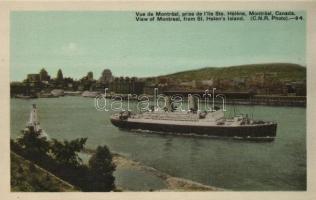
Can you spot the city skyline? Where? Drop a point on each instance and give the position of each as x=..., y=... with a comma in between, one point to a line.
x=115, y=41
x=54, y=75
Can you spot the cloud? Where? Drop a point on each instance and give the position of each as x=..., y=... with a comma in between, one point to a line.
x=71, y=49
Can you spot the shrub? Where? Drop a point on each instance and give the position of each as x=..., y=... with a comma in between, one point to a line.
x=101, y=170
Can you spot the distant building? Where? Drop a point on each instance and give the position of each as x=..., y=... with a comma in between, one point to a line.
x=297, y=88
x=207, y=82
x=191, y=84
x=106, y=76
x=44, y=75
x=149, y=88
x=127, y=85
x=90, y=76
x=60, y=77
x=33, y=78
x=87, y=82
x=57, y=92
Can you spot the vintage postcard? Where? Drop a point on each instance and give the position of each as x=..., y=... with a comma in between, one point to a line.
x=175, y=100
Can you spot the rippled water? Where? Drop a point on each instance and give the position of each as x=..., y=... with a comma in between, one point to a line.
x=230, y=164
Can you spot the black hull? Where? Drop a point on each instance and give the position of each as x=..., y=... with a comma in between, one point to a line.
x=260, y=131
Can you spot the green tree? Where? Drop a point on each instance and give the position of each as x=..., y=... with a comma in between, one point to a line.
x=33, y=145
x=101, y=168
x=66, y=152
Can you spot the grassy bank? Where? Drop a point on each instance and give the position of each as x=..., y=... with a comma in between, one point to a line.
x=29, y=177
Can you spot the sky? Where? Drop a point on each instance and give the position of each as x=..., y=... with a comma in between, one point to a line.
x=78, y=42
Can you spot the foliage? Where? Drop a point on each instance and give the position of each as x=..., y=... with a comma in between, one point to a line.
x=101, y=170
x=283, y=71
x=66, y=152
x=33, y=146
x=27, y=177
x=68, y=164
x=62, y=159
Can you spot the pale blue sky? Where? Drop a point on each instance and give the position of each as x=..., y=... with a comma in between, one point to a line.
x=78, y=42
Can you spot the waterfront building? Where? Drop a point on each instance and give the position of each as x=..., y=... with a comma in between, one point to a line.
x=126, y=85
x=60, y=76
x=90, y=76
x=33, y=78
x=106, y=77
x=190, y=84
x=44, y=75
x=57, y=92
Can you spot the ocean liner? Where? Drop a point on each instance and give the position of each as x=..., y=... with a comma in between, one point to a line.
x=196, y=123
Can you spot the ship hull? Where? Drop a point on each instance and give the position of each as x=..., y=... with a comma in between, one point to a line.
x=259, y=131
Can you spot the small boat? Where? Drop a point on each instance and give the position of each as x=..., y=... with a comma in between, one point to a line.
x=91, y=94
x=57, y=92
x=72, y=93
x=21, y=96
x=47, y=95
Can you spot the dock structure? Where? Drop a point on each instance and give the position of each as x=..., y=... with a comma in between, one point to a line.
x=245, y=98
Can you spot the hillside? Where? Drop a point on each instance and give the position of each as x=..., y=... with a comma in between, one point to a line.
x=283, y=71
x=29, y=177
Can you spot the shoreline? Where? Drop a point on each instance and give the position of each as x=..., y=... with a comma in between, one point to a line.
x=259, y=100
x=173, y=183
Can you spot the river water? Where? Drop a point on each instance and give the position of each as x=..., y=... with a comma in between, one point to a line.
x=231, y=164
